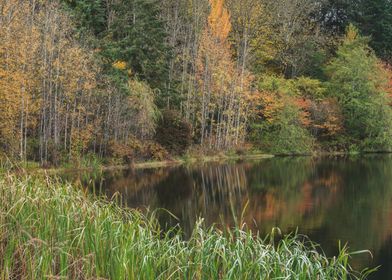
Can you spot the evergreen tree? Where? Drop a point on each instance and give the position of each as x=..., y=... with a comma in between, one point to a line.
x=130, y=32
x=137, y=37
x=90, y=14
x=374, y=19
x=336, y=14
x=358, y=82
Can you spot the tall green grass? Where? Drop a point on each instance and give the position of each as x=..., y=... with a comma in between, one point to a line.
x=51, y=230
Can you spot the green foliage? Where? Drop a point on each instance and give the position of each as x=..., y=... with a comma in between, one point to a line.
x=317, y=57
x=129, y=31
x=285, y=135
x=90, y=15
x=142, y=49
x=352, y=114
x=358, y=81
x=374, y=19
x=279, y=128
x=309, y=88
x=52, y=230
x=92, y=161
x=137, y=36
x=145, y=112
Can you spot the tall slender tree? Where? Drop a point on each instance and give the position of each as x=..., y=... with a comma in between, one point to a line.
x=224, y=90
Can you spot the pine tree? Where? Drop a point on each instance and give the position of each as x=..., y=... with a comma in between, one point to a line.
x=374, y=19
x=358, y=81
x=90, y=14
x=137, y=36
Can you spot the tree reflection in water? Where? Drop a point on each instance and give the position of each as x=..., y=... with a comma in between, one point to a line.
x=329, y=199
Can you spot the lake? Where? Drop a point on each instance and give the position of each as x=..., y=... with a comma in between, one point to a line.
x=346, y=199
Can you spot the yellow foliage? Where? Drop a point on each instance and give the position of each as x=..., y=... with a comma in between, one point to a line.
x=120, y=65
x=219, y=19
x=223, y=105
x=351, y=33
x=46, y=78
x=17, y=82
x=252, y=32
x=272, y=104
x=81, y=139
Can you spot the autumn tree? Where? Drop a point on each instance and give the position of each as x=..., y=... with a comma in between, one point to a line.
x=299, y=43
x=319, y=114
x=53, y=108
x=222, y=106
x=184, y=24
x=251, y=34
x=17, y=72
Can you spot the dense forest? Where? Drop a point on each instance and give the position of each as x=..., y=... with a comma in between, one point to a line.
x=150, y=79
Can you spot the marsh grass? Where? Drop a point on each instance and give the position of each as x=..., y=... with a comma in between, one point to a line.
x=52, y=230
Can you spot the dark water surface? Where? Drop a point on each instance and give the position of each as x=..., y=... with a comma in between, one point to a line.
x=347, y=199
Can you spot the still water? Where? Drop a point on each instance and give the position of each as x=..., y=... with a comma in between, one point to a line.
x=346, y=199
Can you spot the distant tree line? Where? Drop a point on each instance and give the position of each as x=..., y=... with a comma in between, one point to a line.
x=141, y=79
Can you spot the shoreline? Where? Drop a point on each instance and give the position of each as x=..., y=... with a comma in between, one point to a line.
x=183, y=161
x=152, y=164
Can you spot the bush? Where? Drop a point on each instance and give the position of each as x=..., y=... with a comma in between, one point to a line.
x=174, y=132
x=284, y=136
x=153, y=150
x=135, y=150
x=281, y=127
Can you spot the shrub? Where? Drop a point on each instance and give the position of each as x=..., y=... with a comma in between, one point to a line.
x=153, y=150
x=135, y=150
x=174, y=132
x=285, y=136
x=281, y=126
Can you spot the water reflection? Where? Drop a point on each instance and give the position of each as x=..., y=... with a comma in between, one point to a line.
x=329, y=199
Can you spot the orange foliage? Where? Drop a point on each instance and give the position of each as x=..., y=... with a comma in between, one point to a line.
x=120, y=65
x=271, y=104
x=223, y=104
x=323, y=117
x=332, y=123
x=304, y=105
x=219, y=19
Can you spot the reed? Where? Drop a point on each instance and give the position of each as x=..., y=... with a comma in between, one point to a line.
x=53, y=230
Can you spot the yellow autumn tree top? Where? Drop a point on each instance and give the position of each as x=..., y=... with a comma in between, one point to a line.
x=120, y=65
x=219, y=19
x=352, y=33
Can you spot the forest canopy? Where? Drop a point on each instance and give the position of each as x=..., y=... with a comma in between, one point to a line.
x=147, y=79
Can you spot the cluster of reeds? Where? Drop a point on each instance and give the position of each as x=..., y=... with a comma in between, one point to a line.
x=53, y=230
